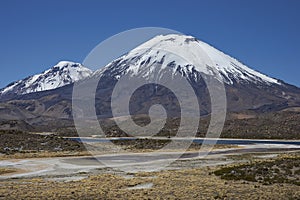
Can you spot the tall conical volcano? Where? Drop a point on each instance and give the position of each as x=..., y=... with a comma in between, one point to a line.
x=245, y=88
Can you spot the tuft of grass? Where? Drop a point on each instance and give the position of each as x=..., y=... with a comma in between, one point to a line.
x=6, y=171
x=280, y=170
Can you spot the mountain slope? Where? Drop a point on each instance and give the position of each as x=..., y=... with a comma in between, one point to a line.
x=61, y=74
x=246, y=89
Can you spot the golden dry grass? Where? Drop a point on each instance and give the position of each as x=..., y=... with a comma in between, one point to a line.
x=44, y=154
x=129, y=149
x=7, y=171
x=179, y=184
x=198, y=183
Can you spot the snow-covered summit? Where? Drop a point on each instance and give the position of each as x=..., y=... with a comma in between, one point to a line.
x=63, y=73
x=187, y=55
x=181, y=53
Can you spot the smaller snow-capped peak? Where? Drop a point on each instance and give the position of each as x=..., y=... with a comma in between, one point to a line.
x=188, y=54
x=63, y=73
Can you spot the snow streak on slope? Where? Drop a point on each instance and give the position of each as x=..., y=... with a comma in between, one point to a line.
x=62, y=74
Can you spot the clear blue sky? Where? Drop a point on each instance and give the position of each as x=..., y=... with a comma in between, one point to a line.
x=36, y=34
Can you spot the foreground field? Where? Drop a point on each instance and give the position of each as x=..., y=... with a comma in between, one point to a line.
x=185, y=179
x=51, y=167
x=178, y=184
